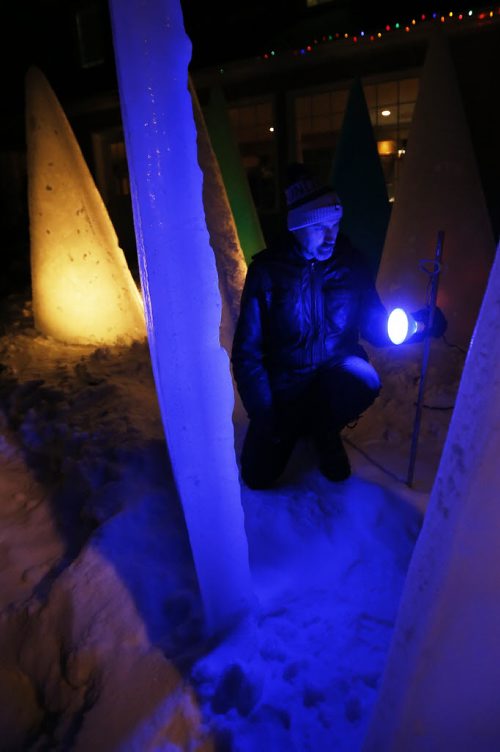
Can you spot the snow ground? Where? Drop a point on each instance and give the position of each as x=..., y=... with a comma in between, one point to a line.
x=101, y=643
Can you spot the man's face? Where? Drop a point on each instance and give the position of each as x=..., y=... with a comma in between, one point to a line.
x=317, y=241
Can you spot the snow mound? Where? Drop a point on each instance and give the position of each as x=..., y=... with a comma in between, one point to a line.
x=101, y=629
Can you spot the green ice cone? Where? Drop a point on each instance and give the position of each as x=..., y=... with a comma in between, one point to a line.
x=234, y=176
x=358, y=178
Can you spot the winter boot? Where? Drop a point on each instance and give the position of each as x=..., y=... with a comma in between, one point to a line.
x=333, y=460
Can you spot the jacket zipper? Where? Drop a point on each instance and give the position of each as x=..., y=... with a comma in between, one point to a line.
x=316, y=318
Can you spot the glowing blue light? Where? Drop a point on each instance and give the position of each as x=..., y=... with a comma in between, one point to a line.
x=400, y=326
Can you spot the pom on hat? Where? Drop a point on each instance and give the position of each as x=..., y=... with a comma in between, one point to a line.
x=309, y=201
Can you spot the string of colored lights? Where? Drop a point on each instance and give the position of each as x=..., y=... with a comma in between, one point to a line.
x=364, y=36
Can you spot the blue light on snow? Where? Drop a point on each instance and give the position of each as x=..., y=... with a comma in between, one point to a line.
x=400, y=326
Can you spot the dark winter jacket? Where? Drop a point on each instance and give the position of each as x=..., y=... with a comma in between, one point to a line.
x=297, y=316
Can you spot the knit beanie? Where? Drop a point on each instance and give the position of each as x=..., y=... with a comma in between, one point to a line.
x=309, y=201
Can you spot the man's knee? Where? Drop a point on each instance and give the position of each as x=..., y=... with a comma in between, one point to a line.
x=362, y=372
x=365, y=386
x=353, y=377
x=346, y=391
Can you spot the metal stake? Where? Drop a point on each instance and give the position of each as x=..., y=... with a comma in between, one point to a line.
x=425, y=357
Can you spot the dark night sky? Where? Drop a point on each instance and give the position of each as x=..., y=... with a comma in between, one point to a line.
x=241, y=28
x=43, y=33
x=219, y=29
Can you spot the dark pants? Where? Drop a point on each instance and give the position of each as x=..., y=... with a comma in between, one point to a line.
x=318, y=405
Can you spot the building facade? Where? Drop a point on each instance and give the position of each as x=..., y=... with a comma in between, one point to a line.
x=285, y=103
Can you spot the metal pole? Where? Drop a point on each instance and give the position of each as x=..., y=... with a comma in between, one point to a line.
x=425, y=358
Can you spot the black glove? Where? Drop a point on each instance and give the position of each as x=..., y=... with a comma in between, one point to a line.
x=439, y=323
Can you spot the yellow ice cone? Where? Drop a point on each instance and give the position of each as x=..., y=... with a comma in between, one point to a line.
x=83, y=291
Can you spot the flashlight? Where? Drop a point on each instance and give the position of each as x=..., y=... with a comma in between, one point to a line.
x=400, y=326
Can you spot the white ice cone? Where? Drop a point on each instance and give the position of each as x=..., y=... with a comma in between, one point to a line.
x=231, y=264
x=441, y=687
x=439, y=189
